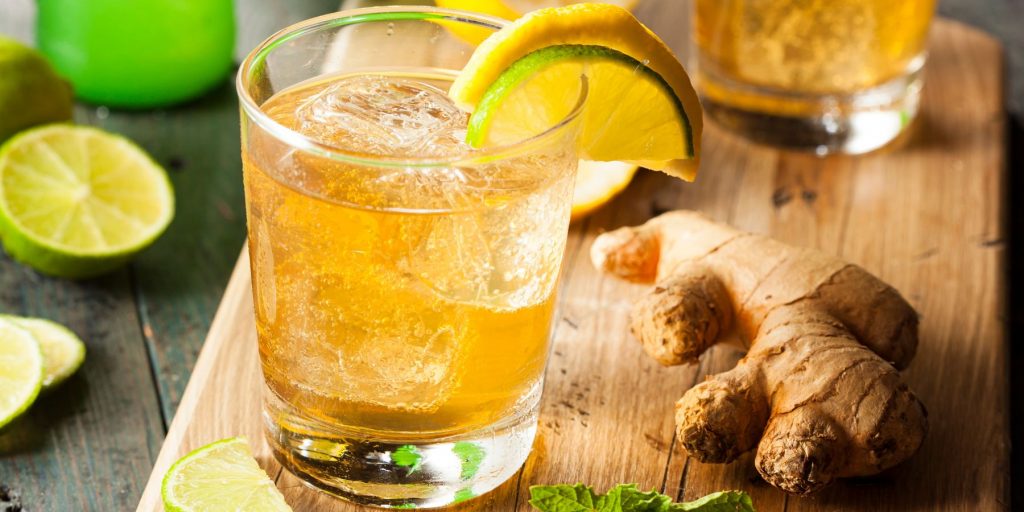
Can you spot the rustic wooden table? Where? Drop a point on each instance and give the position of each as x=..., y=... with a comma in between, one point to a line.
x=91, y=445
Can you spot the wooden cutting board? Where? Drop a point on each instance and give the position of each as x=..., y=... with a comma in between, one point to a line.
x=926, y=215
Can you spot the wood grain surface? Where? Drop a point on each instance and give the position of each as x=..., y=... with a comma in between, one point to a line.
x=924, y=215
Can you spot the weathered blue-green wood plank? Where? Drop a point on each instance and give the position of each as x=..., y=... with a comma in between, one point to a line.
x=89, y=444
x=179, y=280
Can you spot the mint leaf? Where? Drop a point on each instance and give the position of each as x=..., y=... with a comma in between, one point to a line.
x=407, y=456
x=562, y=498
x=463, y=495
x=628, y=498
x=723, y=501
x=471, y=456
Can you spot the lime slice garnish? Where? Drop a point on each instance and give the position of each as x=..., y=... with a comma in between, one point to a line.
x=641, y=107
x=632, y=113
x=222, y=476
x=21, y=371
x=63, y=352
x=76, y=201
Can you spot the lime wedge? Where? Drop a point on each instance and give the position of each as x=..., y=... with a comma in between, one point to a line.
x=222, y=476
x=632, y=113
x=641, y=107
x=21, y=371
x=63, y=352
x=76, y=201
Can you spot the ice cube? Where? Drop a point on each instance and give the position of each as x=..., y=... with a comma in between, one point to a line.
x=384, y=115
x=371, y=338
x=503, y=256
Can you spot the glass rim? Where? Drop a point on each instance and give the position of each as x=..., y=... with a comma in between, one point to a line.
x=376, y=14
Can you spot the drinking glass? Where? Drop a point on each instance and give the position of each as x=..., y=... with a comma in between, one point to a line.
x=823, y=75
x=403, y=290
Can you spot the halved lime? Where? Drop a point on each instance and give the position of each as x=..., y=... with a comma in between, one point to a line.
x=63, y=352
x=222, y=476
x=21, y=371
x=77, y=201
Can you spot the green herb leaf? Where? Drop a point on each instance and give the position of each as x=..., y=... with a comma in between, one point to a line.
x=562, y=498
x=463, y=495
x=628, y=498
x=471, y=456
x=722, y=501
x=407, y=456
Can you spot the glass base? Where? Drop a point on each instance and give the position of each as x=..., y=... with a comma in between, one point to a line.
x=421, y=473
x=824, y=124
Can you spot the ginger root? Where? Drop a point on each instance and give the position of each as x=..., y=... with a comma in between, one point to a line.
x=818, y=393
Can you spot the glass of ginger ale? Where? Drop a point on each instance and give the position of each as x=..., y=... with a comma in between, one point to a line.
x=403, y=283
x=830, y=76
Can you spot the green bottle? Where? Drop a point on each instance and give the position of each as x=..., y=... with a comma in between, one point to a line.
x=138, y=53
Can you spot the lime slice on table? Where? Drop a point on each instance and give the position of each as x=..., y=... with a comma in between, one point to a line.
x=641, y=106
x=21, y=371
x=63, y=352
x=222, y=476
x=77, y=201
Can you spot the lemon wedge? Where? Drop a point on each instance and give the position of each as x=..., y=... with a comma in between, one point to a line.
x=506, y=9
x=641, y=106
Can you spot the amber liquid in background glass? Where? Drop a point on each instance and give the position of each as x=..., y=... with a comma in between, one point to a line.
x=822, y=75
x=405, y=303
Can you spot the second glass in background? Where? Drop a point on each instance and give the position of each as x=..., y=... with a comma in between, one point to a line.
x=830, y=76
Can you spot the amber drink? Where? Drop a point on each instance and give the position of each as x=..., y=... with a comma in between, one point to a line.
x=404, y=283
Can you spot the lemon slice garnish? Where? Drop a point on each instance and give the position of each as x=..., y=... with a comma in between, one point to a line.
x=641, y=106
